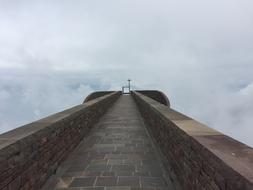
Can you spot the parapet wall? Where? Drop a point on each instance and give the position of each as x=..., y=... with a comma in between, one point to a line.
x=96, y=94
x=31, y=153
x=156, y=95
x=201, y=157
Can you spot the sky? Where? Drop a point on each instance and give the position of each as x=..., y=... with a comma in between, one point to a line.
x=53, y=53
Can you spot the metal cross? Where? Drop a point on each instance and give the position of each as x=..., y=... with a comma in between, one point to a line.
x=129, y=80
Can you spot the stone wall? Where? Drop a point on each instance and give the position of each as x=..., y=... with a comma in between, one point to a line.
x=96, y=94
x=31, y=153
x=201, y=158
x=156, y=95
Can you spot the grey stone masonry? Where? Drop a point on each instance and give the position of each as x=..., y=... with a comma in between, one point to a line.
x=33, y=152
x=201, y=157
x=117, y=155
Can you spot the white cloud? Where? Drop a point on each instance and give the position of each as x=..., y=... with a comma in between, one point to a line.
x=53, y=53
x=24, y=98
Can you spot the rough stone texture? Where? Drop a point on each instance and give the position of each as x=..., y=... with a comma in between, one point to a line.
x=201, y=157
x=31, y=153
x=117, y=155
x=156, y=95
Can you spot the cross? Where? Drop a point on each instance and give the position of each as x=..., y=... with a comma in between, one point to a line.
x=129, y=80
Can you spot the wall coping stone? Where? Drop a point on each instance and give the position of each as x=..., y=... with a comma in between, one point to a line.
x=156, y=95
x=10, y=137
x=96, y=94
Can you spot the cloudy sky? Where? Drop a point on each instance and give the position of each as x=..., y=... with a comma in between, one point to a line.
x=200, y=53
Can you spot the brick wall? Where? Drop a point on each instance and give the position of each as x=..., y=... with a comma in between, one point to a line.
x=31, y=153
x=201, y=158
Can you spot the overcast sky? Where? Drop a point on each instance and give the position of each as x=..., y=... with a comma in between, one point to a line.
x=200, y=53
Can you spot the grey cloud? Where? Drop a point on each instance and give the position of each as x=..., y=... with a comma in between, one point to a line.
x=53, y=53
